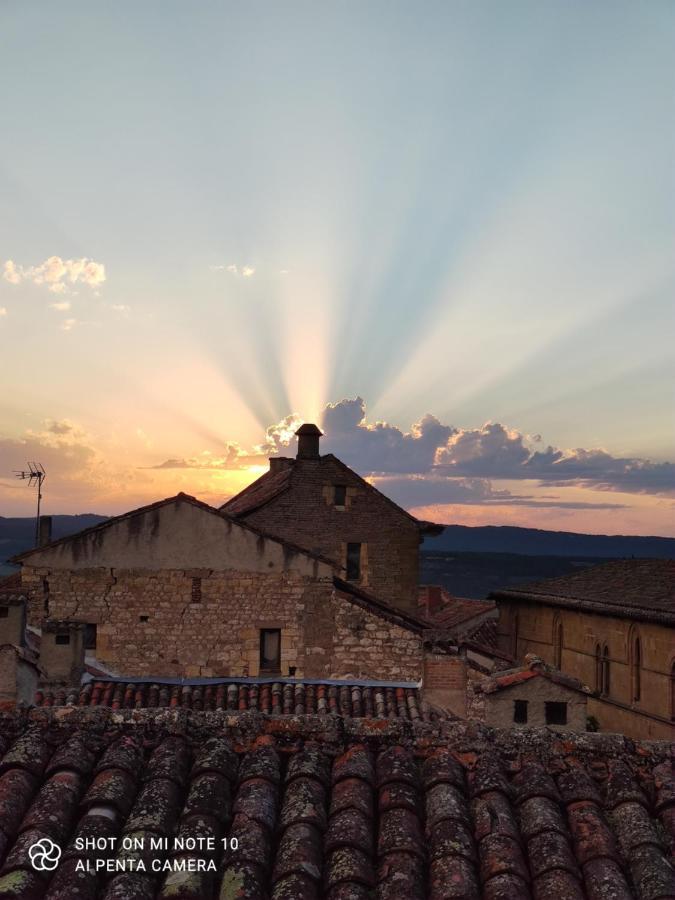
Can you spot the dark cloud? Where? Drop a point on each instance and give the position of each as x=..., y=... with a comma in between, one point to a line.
x=431, y=490
x=381, y=447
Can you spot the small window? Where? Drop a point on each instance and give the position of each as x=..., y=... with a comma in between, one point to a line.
x=520, y=711
x=144, y=618
x=353, y=562
x=4, y=612
x=196, y=590
x=340, y=495
x=556, y=713
x=270, y=650
x=62, y=639
x=605, y=671
x=90, y=637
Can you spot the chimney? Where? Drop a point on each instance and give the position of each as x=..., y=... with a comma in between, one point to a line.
x=13, y=621
x=279, y=463
x=44, y=530
x=308, y=441
x=432, y=598
x=62, y=651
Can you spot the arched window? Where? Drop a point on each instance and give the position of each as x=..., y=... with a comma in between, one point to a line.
x=605, y=671
x=557, y=643
x=598, y=668
x=635, y=654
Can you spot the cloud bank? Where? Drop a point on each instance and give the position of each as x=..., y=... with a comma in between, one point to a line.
x=57, y=274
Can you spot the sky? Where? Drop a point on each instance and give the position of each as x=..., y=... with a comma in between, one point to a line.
x=442, y=230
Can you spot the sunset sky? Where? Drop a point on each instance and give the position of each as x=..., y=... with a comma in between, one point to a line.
x=444, y=230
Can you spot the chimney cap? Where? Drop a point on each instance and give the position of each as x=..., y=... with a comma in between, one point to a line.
x=308, y=428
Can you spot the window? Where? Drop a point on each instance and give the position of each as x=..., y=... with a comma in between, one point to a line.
x=598, y=668
x=556, y=713
x=605, y=671
x=62, y=639
x=635, y=666
x=340, y=495
x=196, y=596
x=144, y=618
x=270, y=650
x=90, y=637
x=520, y=711
x=672, y=691
x=4, y=612
x=353, y=562
x=557, y=643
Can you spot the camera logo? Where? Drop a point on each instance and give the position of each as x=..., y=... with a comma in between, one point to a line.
x=44, y=855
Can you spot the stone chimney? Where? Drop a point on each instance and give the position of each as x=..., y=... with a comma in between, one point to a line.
x=308, y=441
x=279, y=463
x=44, y=530
x=62, y=651
x=13, y=621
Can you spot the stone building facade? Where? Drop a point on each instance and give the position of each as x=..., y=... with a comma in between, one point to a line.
x=319, y=503
x=180, y=589
x=533, y=696
x=611, y=626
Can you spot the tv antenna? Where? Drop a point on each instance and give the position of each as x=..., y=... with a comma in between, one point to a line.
x=35, y=474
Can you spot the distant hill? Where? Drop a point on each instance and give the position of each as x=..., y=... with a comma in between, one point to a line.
x=17, y=535
x=536, y=542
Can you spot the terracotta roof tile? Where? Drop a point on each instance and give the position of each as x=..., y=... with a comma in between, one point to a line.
x=453, y=812
x=371, y=700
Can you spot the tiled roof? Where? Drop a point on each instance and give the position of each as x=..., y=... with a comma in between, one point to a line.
x=455, y=611
x=467, y=813
x=536, y=668
x=258, y=493
x=288, y=697
x=272, y=484
x=634, y=588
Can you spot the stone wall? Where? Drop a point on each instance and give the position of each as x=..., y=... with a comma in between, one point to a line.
x=582, y=632
x=148, y=623
x=499, y=706
x=305, y=514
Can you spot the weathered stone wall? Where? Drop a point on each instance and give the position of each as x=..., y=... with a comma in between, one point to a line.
x=305, y=514
x=582, y=632
x=177, y=534
x=148, y=623
x=499, y=706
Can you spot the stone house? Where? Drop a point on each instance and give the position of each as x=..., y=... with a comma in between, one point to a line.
x=179, y=588
x=532, y=696
x=322, y=505
x=612, y=626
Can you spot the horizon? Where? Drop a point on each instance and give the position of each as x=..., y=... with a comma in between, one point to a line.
x=446, y=238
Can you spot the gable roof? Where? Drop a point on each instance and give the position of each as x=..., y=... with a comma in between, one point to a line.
x=272, y=484
x=535, y=668
x=178, y=498
x=642, y=589
x=334, y=808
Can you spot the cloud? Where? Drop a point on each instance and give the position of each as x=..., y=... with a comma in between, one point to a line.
x=57, y=274
x=234, y=269
x=61, y=305
x=430, y=490
x=3, y=311
x=68, y=324
x=435, y=463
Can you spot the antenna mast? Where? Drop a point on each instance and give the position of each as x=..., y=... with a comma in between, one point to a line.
x=36, y=475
